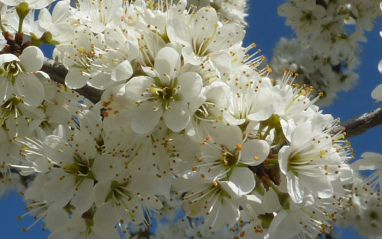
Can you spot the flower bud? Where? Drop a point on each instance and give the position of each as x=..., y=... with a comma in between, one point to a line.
x=22, y=10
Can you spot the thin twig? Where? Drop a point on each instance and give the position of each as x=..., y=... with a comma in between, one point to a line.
x=361, y=124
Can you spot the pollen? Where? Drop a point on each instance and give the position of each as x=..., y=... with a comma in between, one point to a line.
x=239, y=146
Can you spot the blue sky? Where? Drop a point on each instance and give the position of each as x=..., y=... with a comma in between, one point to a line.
x=265, y=29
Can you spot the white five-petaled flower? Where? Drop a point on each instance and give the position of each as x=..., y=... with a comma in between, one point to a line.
x=204, y=35
x=17, y=78
x=215, y=171
x=167, y=93
x=311, y=163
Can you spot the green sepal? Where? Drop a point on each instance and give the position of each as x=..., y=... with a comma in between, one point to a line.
x=47, y=38
x=266, y=219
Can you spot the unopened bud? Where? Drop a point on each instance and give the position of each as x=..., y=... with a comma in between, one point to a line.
x=22, y=10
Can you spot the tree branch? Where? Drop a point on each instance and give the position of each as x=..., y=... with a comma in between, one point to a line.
x=361, y=124
x=57, y=72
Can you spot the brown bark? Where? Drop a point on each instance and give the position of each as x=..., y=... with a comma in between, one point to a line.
x=57, y=72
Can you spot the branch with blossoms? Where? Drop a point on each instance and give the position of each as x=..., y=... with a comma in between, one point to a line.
x=154, y=107
x=352, y=127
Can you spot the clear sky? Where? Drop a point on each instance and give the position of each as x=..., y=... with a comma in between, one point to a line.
x=265, y=29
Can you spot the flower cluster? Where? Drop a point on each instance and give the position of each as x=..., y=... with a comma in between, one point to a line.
x=188, y=118
x=365, y=203
x=321, y=74
x=327, y=46
x=232, y=10
x=364, y=211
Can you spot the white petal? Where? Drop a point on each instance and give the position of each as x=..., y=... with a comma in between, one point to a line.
x=270, y=202
x=189, y=56
x=369, y=161
x=57, y=150
x=5, y=92
x=84, y=196
x=234, y=32
x=204, y=23
x=177, y=117
x=106, y=167
x=243, y=179
x=76, y=78
x=264, y=98
x=377, y=93
x=137, y=86
x=191, y=85
x=33, y=191
x=64, y=233
x=146, y=118
x=254, y=152
x=32, y=59
x=288, y=127
x=283, y=158
x=231, y=119
x=228, y=136
x=104, y=222
x=346, y=174
x=223, y=213
x=30, y=89
x=101, y=191
x=55, y=219
x=261, y=115
x=34, y=4
x=302, y=134
x=101, y=81
x=60, y=11
x=89, y=122
x=59, y=190
x=167, y=61
x=60, y=132
x=319, y=185
x=284, y=226
x=221, y=61
x=150, y=183
x=4, y=58
x=178, y=31
x=122, y=72
x=295, y=190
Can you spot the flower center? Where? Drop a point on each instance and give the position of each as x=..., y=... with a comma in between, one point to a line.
x=166, y=93
x=80, y=168
x=10, y=108
x=11, y=70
